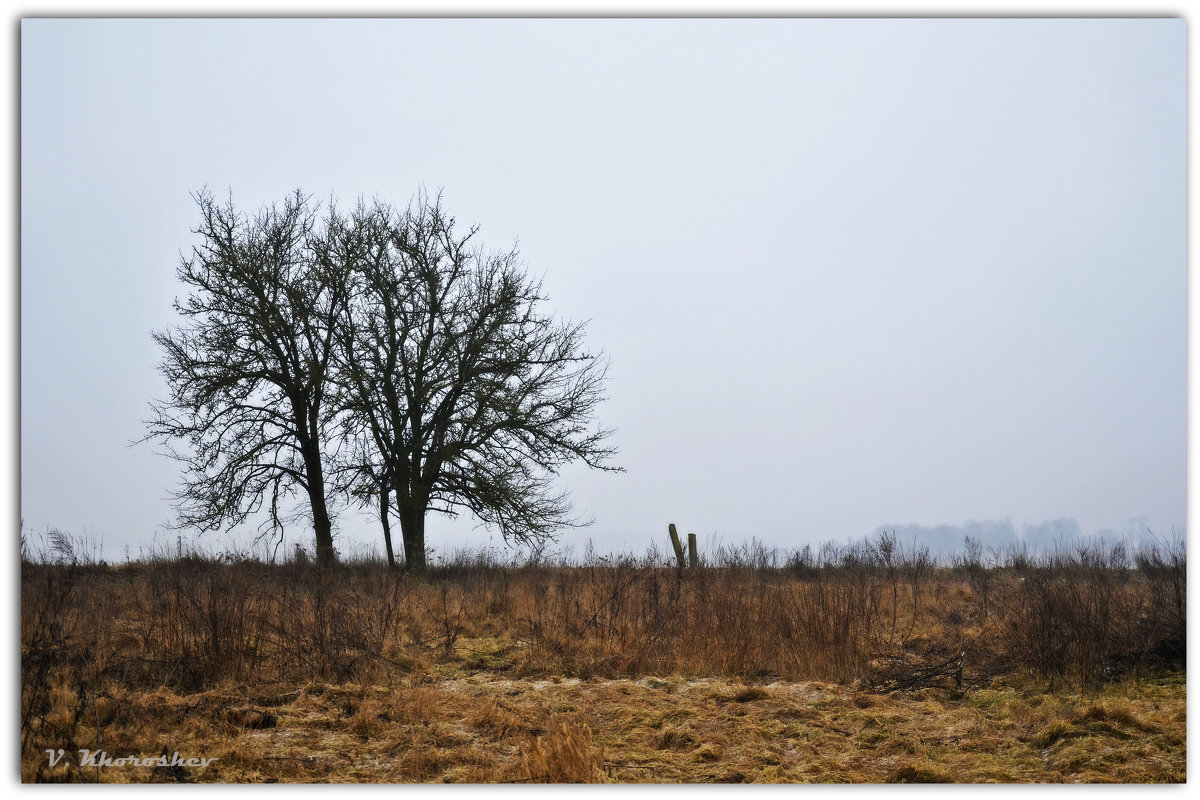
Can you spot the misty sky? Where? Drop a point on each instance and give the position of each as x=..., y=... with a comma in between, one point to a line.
x=849, y=273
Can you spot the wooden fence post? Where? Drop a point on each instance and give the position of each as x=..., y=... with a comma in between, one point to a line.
x=693, y=556
x=675, y=543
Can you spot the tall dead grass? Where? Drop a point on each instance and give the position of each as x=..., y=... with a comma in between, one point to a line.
x=877, y=613
x=566, y=755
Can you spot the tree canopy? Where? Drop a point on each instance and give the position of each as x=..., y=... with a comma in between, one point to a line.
x=380, y=356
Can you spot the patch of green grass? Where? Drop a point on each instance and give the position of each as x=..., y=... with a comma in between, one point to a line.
x=872, y=738
x=920, y=773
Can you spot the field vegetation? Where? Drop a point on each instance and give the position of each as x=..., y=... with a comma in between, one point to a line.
x=863, y=663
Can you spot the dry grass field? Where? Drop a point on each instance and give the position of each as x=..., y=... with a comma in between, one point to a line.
x=851, y=664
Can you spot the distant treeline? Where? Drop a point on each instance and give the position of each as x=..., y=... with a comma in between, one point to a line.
x=946, y=541
x=988, y=542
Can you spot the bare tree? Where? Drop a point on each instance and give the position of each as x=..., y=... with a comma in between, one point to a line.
x=459, y=394
x=248, y=368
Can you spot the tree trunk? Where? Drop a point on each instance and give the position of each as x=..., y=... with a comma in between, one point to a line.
x=387, y=526
x=412, y=528
x=324, y=530
x=316, y=497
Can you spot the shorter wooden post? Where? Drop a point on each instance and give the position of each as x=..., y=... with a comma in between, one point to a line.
x=693, y=557
x=675, y=543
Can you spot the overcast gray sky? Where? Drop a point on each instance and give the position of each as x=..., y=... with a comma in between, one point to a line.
x=849, y=273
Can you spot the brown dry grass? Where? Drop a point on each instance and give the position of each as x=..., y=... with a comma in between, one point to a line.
x=486, y=729
x=868, y=665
